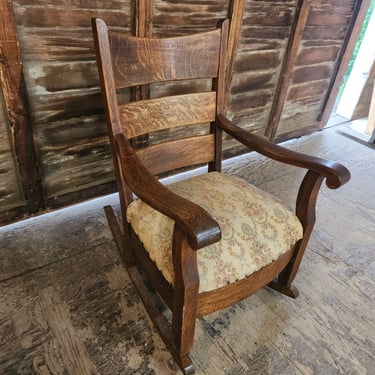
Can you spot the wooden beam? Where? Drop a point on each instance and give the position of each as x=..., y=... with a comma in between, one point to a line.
x=290, y=56
x=16, y=103
x=142, y=26
x=344, y=58
x=235, y=14
x=143, y=18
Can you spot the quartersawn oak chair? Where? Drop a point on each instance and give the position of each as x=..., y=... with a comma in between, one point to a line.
x=212, y=240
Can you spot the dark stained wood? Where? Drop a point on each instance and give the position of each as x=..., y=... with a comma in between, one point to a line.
x=75, y=268
x=326, y=53
x=302, y=13
x=62, y=84
x=235, y=14
x=17, y=107
x=162, y=113
x=177, y=154
x=233, y=293
x=126, y=61
x=336, y=174
x=131, y=70
x=201, y=228
x=185, y=295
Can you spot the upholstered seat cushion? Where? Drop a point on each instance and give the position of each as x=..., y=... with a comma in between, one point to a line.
x=256, y=229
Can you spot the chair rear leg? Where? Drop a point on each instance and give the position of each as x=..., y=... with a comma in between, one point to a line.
x=121, y=238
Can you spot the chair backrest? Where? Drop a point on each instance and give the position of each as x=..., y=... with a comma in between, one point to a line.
x=128, y=61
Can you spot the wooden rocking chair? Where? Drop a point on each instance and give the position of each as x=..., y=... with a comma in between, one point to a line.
x=211, y=240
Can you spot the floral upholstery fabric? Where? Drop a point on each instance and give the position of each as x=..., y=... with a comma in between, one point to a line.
x=256, y=229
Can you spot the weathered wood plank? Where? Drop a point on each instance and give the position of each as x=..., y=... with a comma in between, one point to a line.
x=60, y=16
x=61, y=79
x=71, y=349
x=10, y=192
x=290, y=58
x=17, y=107
x=348, y=45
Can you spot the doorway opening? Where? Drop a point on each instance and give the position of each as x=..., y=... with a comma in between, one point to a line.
x=356, y=98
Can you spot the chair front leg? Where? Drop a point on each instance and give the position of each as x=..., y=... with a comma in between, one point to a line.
x=305, y=211
x=185, y=298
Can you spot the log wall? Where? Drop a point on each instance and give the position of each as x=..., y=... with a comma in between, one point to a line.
x=10, y=189
x=288, y=54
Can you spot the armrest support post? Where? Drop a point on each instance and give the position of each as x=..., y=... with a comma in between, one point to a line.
x=201, y=229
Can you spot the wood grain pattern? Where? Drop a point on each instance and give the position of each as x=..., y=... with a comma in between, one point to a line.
x=134, y=67
x=17, y=110
x=177, y=154
x=10, y=191
x=334, y=26
x=165, y=113
x=74, y=265
x=288, y=65
x=58, y=62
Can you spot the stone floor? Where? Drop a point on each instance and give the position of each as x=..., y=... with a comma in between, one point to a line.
x=67, y=306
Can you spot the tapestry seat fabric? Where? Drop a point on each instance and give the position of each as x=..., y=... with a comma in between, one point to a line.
x=256, y=229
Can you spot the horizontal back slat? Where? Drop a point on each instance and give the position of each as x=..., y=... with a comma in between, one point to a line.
x=176, y=154
x=147, y=116
x=138, y=61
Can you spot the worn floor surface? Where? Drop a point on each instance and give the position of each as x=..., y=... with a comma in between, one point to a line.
x=67, y=306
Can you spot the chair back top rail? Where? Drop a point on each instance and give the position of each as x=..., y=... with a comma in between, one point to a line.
x=138, y=61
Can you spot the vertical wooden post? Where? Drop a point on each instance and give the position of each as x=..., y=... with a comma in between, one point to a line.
x=142, y=26
x=235, y=14
x=290, y=56
x=354, y=29
x=16, y=102
x=143, y=18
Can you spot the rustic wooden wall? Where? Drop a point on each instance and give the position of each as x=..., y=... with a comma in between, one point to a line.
x=10, y=189
x=288, y=55
x=318, y=56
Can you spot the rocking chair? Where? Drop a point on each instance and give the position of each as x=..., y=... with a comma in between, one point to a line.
x=212, y=240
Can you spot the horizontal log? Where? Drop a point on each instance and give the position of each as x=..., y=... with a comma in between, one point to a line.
x=317, y=55
x=316, y=34
x=53, y=77
x=60, y=134
x=269, y=33
x=80, y=4
x=299, y=92
x=330, y=17
x=57, y=45
x=260, y=60
x=88, y=165
x=62, y=16
x=248, y=81
x=250, y=100
x=311, y=73
x=62, y=105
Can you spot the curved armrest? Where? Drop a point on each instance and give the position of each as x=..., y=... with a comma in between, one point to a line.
x=201, y=228
x=335, y=173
